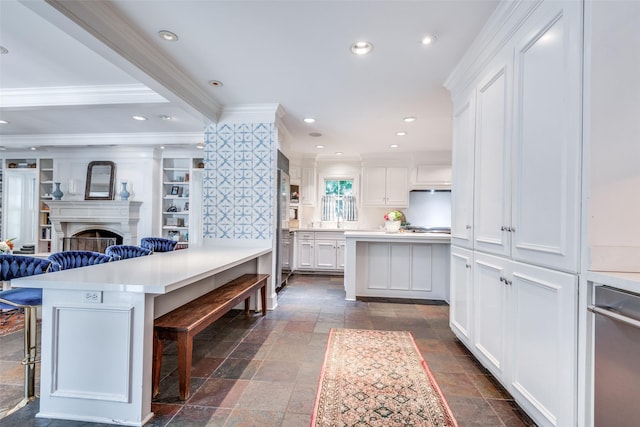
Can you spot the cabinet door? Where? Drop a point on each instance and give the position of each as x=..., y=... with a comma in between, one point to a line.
x=461, y=293
x=462, y=166
x=308, y=187
x=547, y=138
x=325, y=251
x=374, y=182
x=397, y=187
x=340, y=254
x=305, y=254
x=490, y=311
x=543, y=343
x=426, y=177
x=286, y=253
x=492, y=198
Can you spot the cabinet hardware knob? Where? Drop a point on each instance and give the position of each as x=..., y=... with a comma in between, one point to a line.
x=467, y=265
x=503, y=228
x=502, y=279
x=512, y=229
x=468, y=227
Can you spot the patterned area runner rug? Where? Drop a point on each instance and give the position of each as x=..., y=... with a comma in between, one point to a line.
x=11, y=321
x=377, y=378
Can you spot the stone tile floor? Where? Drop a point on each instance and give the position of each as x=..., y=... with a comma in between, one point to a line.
x=263, y=371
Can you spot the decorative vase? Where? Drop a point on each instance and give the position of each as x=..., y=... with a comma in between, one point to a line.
x=57, y=193
x=392, y=226
x=124, y=194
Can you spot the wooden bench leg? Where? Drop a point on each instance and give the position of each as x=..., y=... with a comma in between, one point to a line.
x=185, y=352
x=247, y=304
x=158, y=347
x=263, y=298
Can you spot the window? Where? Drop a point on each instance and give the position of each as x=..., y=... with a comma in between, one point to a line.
x=339, y=201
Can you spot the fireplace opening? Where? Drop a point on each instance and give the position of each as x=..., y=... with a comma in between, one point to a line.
x=96, y=240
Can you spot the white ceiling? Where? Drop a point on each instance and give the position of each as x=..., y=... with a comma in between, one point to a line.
x=91, y=75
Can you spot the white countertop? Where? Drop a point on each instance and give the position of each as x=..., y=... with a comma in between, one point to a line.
x=159, y=273
x=626, y=281
x=383, y=236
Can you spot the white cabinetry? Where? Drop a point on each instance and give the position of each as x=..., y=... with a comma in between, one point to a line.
x=308, y=186
x=461, y=288
x=492, y=201
x=320, y=250
x=524, y=330
x=385, y=186
x=516, y=205
x=431, y=176
x=462, y=172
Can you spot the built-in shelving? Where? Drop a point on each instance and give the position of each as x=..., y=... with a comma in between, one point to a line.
x=45, y=190
x=176, y=186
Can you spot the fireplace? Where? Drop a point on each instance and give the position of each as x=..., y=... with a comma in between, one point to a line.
x=83, y=217
x=96, y=240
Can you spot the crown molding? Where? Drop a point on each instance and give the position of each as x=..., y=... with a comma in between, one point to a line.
x=505, y=21
x=78, y=95
x=112, y=139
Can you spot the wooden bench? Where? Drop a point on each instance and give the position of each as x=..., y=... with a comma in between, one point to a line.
x=186, y=321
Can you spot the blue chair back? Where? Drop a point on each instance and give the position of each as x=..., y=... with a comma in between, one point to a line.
x=73, y=259
x=118, y=252
x=15, y=266
x=158, y=244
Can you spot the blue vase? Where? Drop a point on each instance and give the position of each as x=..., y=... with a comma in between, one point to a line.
x=57, y=193
x=124, y=194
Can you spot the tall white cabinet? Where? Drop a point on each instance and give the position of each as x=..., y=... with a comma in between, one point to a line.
x=516, y=203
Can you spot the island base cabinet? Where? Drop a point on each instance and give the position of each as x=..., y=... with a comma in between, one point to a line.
x=403, y=270
x=524, y=330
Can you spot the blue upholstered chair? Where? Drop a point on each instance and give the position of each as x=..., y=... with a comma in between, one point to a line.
x=158, y=244
x=73, y=259
x=118, y=252
x=28, y=300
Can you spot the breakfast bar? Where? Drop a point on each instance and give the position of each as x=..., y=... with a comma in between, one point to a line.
x=97, y=326
x=397, y=265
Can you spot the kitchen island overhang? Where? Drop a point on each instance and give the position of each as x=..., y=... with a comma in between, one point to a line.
x=97, y=326
x=397, y=265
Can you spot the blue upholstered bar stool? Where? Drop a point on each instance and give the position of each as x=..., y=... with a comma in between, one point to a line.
x=118, y=252
x=158, y=244
x=73, y=259
x=28, y=300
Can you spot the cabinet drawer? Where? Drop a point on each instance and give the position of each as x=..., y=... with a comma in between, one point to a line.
x=306, y=235
x=329, y=235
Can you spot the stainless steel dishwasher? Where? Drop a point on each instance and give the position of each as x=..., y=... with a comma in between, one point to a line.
x=617, y=351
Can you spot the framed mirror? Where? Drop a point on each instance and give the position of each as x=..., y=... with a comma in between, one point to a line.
x=100, y=178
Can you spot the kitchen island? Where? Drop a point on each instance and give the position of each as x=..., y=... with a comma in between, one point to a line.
x=397, y=265
x=97, y=326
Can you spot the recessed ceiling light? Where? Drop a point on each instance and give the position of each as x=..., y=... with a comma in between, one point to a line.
x=3, y=50
x=4, y=122
x=162, y=147
x=215, y=83
x=163, y=117
x=319, y=146
x=33, y=148
x=401, y=133
x=309, y=120
x=3, y=148
x=140, y=118
x=199, y=146
x=409, y=119
x=315, y=134
x=430, y=39
x=361, y=48
x=168, y=36
x=394, y=146
x=338, y=153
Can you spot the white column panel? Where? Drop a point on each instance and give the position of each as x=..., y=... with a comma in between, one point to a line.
x=421, y=267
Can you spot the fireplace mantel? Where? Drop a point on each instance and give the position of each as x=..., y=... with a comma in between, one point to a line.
x=70, y=217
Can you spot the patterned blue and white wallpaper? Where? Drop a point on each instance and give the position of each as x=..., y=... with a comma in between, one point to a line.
x=239, y=181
